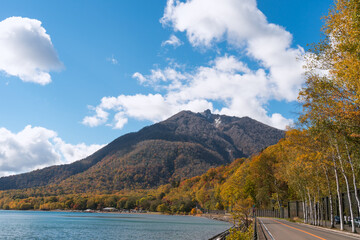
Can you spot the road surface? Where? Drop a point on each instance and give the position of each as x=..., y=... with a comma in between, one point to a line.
x=284, y=230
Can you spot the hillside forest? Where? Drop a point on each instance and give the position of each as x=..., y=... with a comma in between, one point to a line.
x=319, y=156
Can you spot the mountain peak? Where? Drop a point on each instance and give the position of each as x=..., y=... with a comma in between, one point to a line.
x=207, y=113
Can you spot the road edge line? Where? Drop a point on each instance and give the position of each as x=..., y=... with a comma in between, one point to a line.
x=267, y=230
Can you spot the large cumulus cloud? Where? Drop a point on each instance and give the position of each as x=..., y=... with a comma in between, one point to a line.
x=27, y=51
x=37, y=147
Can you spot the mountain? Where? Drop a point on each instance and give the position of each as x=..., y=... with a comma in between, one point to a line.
x=185, y=145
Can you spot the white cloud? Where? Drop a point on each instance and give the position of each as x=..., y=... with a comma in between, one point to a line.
x=158, y=77
x=140, y=77
x=100, y=118
x=113, y=60
x=27, y=51
x=226, y=81
x=209, y=21
x=37, y=147
x=172, y=41
x=244, y=26
x=243, y=92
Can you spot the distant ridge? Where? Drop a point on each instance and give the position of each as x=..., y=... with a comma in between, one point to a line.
x=185, y=145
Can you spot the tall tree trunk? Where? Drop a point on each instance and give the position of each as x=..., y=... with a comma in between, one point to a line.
x=320, y=222
x=321, y=212
x=338, y=194
x=332, y=225
x=347, y=189
x=304, y=203
x=316, y=219
x=311, y=208
x=353, y=176
x=319, y=208
x=279, y=204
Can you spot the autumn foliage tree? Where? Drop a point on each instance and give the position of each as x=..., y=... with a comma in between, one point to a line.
x=331, y=95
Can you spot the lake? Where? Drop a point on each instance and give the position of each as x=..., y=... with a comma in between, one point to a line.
x=70, y=225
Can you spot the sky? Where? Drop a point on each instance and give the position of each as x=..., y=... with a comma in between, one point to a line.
x=75, y=75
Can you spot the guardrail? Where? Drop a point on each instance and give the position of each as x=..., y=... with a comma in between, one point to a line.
x=255, y=237
x=221, y=236
x=259, y=232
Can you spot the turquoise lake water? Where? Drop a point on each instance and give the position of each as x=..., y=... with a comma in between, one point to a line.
x=68, y=225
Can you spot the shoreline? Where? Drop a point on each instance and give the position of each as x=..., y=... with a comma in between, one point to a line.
x=219, y=217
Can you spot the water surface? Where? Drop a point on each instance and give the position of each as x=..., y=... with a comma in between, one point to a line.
x=69, y=225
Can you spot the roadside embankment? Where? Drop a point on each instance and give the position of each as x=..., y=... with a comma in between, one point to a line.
x=219, y=217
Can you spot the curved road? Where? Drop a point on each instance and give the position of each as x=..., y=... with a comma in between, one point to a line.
x=284, y=230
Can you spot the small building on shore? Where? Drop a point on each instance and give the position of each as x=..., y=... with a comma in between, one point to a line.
x=109, y=209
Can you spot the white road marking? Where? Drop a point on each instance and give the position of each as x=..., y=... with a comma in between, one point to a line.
x=267, y=230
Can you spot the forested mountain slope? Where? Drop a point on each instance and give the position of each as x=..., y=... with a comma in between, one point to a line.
x=185, y=145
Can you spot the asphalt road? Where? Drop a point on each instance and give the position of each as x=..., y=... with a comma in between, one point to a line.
x=284, y=230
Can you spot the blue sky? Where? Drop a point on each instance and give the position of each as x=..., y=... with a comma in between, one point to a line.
x=117, y=66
